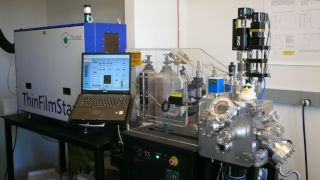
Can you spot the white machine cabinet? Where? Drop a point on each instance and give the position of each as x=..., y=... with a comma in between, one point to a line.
x=48, y=63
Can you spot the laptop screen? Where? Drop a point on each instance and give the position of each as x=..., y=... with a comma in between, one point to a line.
x=106, y=73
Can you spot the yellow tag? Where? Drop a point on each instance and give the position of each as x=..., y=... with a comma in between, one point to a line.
x=176, y=94
x=44, y=32
x=257, y=30
x=289, y=53
x=136, y=58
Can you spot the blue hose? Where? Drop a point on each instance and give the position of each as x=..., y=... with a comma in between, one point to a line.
x=261, y=93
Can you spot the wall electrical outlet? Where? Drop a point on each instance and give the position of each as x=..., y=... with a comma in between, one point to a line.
x=306, y=102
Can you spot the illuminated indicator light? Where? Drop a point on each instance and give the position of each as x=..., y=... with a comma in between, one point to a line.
x=157, y=157
x=173, y=161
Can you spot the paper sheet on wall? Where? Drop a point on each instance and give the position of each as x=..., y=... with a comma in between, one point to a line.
x=295, y=29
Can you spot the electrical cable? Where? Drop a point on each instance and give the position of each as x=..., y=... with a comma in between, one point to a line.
x=304, y=140
x=120, y=138
x=157, y=102
x=289, y=173
x=226, y=167
x=228, y=176
x=15, y=139
x=218, y=175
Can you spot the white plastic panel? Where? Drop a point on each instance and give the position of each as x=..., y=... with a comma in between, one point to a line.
x=49, y=59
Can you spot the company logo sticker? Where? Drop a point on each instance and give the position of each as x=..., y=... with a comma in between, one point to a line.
x=46, y=104
x=66, y=38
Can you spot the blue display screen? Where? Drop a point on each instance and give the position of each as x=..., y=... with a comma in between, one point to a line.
x=106, y=72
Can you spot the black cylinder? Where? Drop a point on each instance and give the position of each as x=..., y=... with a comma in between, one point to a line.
x=242, y=38
x=259, y=17
x=245, y=13
x=232, y=69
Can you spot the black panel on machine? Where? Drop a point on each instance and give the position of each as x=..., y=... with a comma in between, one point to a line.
x=152, y=154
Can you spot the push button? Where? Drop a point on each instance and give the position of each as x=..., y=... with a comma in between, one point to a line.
x=173, y=161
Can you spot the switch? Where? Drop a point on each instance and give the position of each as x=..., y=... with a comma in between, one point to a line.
x=173, y=161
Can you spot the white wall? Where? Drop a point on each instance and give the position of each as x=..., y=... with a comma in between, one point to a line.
x=292, y=121
x=207, y=24
x=299, y=78
x=71, y=11
x=32, y=152
x=152, y=23
x=14, y=13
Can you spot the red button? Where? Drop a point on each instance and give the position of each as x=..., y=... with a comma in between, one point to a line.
x=173, y=161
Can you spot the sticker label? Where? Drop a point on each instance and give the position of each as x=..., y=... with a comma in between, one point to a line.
x=136, y=59
x=176, y=94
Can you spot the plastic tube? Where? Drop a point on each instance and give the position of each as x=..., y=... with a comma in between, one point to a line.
x=261, y=93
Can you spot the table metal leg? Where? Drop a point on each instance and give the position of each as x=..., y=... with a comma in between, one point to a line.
x=99, y=164
x=62, y=154
x=9, y=151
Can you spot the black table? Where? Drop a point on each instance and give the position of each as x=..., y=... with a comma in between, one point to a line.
x=96, y=140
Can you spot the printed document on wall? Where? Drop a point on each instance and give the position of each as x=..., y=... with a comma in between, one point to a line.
x=295, y=30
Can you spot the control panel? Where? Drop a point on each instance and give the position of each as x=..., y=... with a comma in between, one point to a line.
x=143, y=154
x=152, y=158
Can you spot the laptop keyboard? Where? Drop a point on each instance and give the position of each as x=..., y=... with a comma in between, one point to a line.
x=116, y=102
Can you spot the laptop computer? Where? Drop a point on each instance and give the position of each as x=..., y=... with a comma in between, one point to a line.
x=105, y=88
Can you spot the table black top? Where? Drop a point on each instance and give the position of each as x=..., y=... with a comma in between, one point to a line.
x=95, y=139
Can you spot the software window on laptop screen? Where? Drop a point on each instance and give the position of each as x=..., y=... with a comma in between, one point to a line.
x=106, y=72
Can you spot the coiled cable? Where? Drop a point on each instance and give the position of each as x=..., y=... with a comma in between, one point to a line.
x=289, y=173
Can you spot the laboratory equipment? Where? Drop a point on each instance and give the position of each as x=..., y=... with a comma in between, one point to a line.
x=239, y=134
x=87, y=13
x=48, y=63
x=238, y=127
x=152, y=154
x=170, y=89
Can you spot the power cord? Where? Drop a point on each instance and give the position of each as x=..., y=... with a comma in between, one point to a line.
x=305, y=102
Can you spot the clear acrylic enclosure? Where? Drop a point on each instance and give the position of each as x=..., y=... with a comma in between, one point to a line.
x=170, y=82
